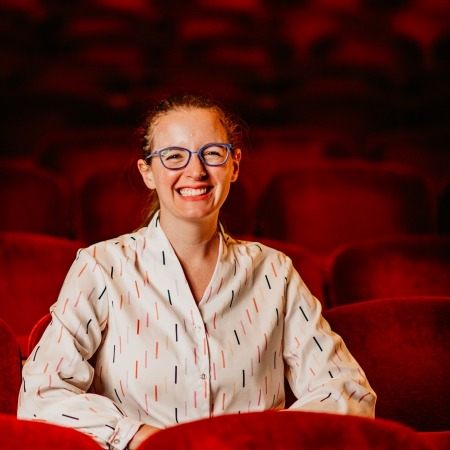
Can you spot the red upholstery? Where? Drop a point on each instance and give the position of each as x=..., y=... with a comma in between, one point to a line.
x=75, y=153
x=424, y=150
x=286, y=430
x=323, y=205
x=444, y=209
x=110, y=202
x=33, y=269
x=23, y=434
x=34, y=200
x=402, y=345
x=10, y=368
x=390, y=267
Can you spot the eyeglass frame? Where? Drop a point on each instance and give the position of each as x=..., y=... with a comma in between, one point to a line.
x=229, y=147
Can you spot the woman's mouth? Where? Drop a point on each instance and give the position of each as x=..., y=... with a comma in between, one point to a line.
x=189, y=192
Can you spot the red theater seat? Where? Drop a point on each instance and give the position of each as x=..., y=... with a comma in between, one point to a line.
x=287, y=430
x=33, y=200
x=41, y=436
x=109, y=202
x=326, y=204
x=10, y=369
x=33, y=270
x=400, y=266
x=402, y=345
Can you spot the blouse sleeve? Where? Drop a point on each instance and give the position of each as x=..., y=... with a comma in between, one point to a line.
x=322, y=373
x=57, y=376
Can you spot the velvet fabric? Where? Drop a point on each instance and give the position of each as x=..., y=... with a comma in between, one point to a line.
x=10, y=367
x=401, y=265
x=34, y=200
x=323, y=205
x=109, y=203
x=402, y=345
x=287, y=430
x=33, y=268
x=24, y=434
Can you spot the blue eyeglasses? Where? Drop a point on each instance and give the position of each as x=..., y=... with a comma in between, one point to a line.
x=176, y=158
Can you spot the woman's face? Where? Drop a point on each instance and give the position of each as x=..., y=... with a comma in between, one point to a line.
x=198, y=191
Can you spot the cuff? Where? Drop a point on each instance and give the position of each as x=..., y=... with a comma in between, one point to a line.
x=125, y=430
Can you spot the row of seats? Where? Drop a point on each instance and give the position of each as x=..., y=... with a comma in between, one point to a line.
x=401, y=342
x=317, y=204
x=35, y=265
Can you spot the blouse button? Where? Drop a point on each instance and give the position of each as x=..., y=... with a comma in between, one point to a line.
x=116, y=441
x=203, y=376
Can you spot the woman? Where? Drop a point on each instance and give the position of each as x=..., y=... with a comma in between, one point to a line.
x=178, y=321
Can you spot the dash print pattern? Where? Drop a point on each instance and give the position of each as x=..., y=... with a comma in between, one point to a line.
x=128, y=344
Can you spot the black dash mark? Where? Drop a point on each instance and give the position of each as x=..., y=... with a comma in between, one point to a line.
x=101, y=295
x=303, y=312
x=267, y=279
x=317, y=342
x=237, y=338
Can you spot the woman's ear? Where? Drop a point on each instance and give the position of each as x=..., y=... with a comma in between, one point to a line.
x=236, y=160
x=146, y=173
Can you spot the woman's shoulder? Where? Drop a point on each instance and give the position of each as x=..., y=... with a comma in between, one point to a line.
x=125, y=244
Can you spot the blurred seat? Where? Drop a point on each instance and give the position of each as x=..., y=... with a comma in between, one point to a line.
x=109, y=202
x=73, y=153
x=42, y=436
x=400, y=266
x=349, y=108
x=34, y=267
x=34, y=200
x=322, y=205
x=308, y=265
x=444, y=209
x=300, y=430
x=10, y=368
x=426, y=150
x=402, y=346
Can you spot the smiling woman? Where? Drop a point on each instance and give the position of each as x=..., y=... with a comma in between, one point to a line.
x=178, y=321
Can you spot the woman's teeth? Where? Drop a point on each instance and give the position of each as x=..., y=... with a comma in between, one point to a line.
x=188, y=192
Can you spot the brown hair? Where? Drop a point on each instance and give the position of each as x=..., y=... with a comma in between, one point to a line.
x=234, y=128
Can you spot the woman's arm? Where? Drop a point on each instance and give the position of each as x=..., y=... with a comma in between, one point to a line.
x=57, y=376
x=321, y=371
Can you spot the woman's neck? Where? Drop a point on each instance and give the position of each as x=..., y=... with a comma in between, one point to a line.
x=192, y=239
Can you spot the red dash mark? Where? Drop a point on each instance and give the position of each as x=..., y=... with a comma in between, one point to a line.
x=136, y=370
x=256, y=305
x=221, y=281
x=156, y=393
x=274, y=271
x=137, y=289
x=138, y=326
x=82, y=270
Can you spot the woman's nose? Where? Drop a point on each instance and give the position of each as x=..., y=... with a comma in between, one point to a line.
x=195, y=168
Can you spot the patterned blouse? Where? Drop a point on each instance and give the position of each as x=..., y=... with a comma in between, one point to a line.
x=128, y=343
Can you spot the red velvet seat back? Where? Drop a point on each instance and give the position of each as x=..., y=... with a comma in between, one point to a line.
x=286, y=430
x=34, y=200
x=10, y=369
x=22, y=434
x=403, y=346
x=403, y=265
x=323, y=205
x=110, y=202
x=33, y=267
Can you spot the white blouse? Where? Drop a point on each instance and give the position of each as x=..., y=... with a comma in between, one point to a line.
x=128, y=344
